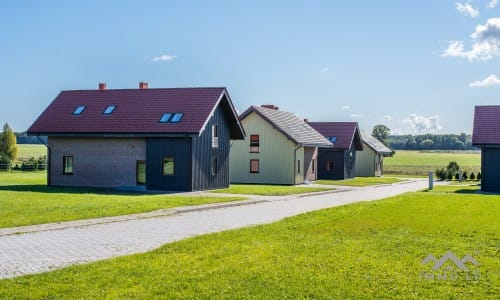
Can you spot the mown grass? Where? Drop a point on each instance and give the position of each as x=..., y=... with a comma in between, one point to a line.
x=367, y=250
x=464, y=189
x=420, y=162
x=27, y=151
x=361, y=181
x=269, y=190
x=26, y=200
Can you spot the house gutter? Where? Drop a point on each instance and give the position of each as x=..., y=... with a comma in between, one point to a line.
x=48, y=158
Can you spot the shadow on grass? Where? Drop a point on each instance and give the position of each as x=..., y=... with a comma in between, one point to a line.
x=40, y=188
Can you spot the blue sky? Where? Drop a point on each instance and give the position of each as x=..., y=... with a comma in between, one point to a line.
x=418, y=66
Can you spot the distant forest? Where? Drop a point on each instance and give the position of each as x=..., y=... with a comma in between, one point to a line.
x=23, y=138
x=431, y=142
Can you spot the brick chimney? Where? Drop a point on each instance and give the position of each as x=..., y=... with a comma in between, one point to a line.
x=270, y=106
x=143, y=85
x=102, y=86
x=306, y=120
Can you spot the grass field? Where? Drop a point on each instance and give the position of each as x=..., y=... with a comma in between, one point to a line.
x=361, y=181
x=26, y=151
x=370, y=250
x=26, y=200
x=270, y=190
x=420, y=163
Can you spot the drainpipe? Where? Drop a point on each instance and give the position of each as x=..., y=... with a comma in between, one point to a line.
x=48, y=158
x=295, y=164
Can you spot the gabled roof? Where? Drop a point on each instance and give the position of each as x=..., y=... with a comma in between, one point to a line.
x=137, y=112
x=293, y=127
x=374, y=143
x=343, y=133
x=486, y=125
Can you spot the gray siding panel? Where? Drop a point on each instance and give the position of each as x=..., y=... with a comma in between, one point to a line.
x=490, y=162
x=177, y=148
x=337, y=156
x=203, y=154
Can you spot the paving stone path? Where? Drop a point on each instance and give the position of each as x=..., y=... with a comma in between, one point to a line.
x=42, y=251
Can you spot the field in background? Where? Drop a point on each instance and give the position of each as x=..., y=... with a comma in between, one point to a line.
x=421, y=162
x=27, y=151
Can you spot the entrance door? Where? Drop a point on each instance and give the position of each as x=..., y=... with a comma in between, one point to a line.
x=140, y=172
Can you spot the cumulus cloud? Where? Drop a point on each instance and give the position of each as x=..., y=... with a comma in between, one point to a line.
x=492, y=3
x=387, y=118
x=345, y=107
x=356, y=115
x=466, y=9
x=423, y=124
x=485, y=43
x=164, y=57
x=488, y=81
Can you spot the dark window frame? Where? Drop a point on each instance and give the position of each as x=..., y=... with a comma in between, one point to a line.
x=66, y=159
x=215, y=136
x=298, y=166
x=254, y=144
x=329, y=165
x=258, y=166
x=137, y=173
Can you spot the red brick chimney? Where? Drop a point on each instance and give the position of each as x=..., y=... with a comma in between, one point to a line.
x=102, y=86
x=270, y=106
x=143, y=85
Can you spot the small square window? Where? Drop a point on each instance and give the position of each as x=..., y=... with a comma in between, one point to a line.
x=79, y=110
x=67, y=165
x=109, y=110
x=254, y=166
x=165, y=117
x=176, y=118
x=168, y=166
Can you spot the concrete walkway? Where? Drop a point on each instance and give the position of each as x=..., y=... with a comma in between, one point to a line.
x=92, y=240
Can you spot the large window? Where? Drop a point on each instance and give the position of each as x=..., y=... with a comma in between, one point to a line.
x=329, y=165
x=254, y=143
x=67, y=165
x=214, y=166
x=254, y=166
x=168, y=166
x=215, y=137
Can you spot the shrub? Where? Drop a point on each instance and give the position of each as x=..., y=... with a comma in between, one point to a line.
x=464, y=176
x=449, y=176
x=453, y=167
x=457, y=176
x=472, y=176
x=478, y=176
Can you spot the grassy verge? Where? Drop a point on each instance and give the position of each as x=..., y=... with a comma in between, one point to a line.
x=361, y=181
x=270, y=190
x=25, y=200
x=362, y=251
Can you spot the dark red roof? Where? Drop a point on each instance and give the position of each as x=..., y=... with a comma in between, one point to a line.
x=486, y=125
x=345, y=133
x=138, y=111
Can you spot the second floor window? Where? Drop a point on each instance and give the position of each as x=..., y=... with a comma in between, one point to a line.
x=254, y=143
x=215, y=137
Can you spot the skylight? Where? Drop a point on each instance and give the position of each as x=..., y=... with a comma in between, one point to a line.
x=79, y=110
x=109, y=110
x=176, y=118
x=165, y=118
x=332, y=139
x=171, y=117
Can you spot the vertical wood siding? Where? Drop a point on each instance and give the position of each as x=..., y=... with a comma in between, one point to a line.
x=490, y=162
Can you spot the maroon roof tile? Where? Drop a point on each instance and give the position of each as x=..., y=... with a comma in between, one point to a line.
x=345, y=133
x=486, y=125
x=138, y=111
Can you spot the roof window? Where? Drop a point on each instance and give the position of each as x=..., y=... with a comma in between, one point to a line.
x=79, y=110
x=332, y=139
x=171, y=117
x=176, y=118
x=109, y=110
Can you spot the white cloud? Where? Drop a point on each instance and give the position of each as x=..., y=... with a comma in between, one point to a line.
x=356, y=115
x=488, y=81
x=485, y=46
x=492, y=3
x=466, y=9
x=164, y=57
x=325, y=69
x=387, y=117
x=423, y=124
x=345, y=107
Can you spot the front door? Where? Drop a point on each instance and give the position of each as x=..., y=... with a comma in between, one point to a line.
x=140, y=172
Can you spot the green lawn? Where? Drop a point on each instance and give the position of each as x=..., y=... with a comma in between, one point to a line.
x=27, y=151
x=369, y=250
x=26, y=200
x=361, y=181
x=270, y=190
x=420, y=163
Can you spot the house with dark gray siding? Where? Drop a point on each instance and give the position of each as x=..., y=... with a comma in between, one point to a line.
x=172, y=139
x=338, y=162
x=486, y=135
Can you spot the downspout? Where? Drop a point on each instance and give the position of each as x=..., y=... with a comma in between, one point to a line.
x=295, y=164
x=48, y=158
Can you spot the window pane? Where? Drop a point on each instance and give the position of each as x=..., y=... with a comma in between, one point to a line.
x=254, y=143
x=165, y=117
x=215, y=138
x=176, y=118
x=214, y=166
x=141, y=172
x=67, y=165
x=109, y=110
x=168, y=166
x=79, y=110
x=254, y=166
